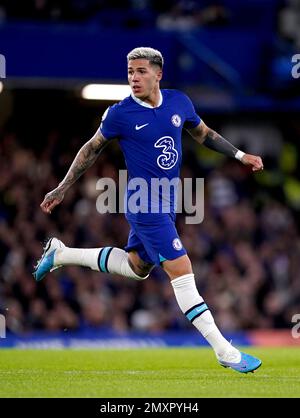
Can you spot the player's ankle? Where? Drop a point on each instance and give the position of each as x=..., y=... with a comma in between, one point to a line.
x=56, y=258
x=231, y=355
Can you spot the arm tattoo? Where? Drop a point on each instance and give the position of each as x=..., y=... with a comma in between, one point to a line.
x=85, y=158
x=217, y=143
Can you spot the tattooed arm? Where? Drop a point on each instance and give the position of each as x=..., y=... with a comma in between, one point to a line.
x=211, y=139
x=86, y=157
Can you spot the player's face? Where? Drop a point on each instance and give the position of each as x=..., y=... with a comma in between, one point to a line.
x=143, y=78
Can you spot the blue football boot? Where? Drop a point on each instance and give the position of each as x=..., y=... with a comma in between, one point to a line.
x=247, y=363
x=46, y=263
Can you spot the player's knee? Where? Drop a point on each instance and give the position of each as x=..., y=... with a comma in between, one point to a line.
x=140, y=278
x=139, y=267
x=142, y=271
x=178, y=267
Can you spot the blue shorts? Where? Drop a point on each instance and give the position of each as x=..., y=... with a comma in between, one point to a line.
x=155, y=242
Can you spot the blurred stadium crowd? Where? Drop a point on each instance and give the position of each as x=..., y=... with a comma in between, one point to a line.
x=165, y=15
x=169, y=14
x=245, y=255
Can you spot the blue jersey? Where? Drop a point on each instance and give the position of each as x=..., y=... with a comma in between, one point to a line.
x=150, y=139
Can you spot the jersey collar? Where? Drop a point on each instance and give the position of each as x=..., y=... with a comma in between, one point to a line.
x=140, y=102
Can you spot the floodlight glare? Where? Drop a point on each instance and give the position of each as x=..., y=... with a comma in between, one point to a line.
x=105, y=91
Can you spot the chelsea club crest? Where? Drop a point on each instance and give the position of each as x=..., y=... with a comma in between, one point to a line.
x=176, y=120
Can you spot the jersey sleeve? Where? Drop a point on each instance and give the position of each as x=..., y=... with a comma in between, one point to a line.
x=110, y=123
x=191, y=118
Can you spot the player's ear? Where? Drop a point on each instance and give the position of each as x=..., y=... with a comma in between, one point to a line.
x=159, y=75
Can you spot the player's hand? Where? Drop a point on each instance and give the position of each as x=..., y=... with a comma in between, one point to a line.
x=51, y=200
x=254, y=161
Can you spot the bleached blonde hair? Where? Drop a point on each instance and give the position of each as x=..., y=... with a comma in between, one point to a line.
x=152, y=55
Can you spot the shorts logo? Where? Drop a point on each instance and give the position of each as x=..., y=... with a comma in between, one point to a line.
x=177, y=244
x=176, y=120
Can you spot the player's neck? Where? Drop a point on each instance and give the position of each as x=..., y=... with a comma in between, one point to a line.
x=154, y=98
x=152, y=101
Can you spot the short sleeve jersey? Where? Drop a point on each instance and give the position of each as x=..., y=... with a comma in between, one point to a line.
x=150, y=139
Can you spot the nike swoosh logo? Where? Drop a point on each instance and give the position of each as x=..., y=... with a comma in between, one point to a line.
x=137, y=128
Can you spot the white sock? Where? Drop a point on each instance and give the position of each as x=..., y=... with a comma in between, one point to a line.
x=196, y=311
x=106, y=259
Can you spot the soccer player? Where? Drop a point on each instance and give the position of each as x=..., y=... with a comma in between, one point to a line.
x=148, y=125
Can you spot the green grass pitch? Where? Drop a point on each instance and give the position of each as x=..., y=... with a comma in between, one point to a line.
x=140, y=373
